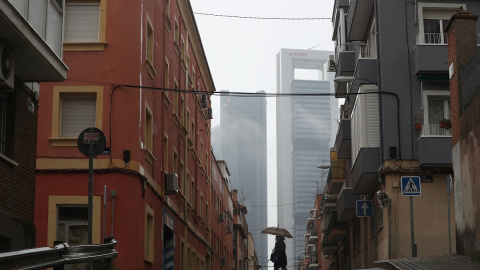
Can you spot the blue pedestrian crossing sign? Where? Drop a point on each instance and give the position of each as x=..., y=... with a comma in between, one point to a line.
x=411, y=186
x=364, y=208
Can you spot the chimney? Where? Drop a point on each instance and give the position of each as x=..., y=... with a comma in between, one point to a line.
x=462, y=43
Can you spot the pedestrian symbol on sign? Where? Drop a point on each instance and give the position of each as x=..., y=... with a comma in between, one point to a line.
x=411, y=186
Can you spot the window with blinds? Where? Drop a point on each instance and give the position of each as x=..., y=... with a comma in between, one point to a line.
x=78, y=112
x=365, y=121
x=82, y=21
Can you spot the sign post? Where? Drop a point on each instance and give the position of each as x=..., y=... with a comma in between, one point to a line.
x=411, y=187
x=91, y=142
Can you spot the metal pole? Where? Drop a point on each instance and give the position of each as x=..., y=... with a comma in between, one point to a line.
x=414, y=246
x=90, y=191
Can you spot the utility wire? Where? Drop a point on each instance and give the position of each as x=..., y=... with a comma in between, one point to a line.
x=261, y=18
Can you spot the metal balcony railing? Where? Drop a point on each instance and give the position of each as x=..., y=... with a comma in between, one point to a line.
x=435, y=130
x=348, y=47
x=432, y=38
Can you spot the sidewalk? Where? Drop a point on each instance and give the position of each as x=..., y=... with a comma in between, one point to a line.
x=436, y=262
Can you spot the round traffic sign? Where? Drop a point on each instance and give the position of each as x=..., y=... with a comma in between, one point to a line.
x=93, y=136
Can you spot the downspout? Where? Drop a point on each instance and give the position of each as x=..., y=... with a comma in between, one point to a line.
x=380, y=107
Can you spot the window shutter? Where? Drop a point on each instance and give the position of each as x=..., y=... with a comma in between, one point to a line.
x=372, y=125
x=82, y=21
x=77, y=113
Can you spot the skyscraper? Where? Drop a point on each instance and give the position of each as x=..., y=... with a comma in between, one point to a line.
x=241, y=140
x=304, y=132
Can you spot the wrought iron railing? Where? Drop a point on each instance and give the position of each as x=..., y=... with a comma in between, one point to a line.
x=470, y=80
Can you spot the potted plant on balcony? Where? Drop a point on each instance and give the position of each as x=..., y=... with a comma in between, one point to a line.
x=445, y=123
x=417, y=122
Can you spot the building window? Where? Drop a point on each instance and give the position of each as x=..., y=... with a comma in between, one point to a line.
x=437, y=104
x=192, y=193
x=149, y=134
x=77, y=113
x=149, y=234
x=72, y=228
x=3, y=123
x=182, y=177
x=175, y=161
x=365, y=121
x=74, y=109
x=70, y=212
x=433, y=20
x=165, y=153
x=85, y=25
x=150, y=48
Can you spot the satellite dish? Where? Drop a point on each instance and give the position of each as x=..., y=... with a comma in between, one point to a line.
x=381, y=199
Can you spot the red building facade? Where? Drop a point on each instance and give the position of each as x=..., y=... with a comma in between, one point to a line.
x=133, y=76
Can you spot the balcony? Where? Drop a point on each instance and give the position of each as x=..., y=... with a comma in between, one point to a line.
x=346, y=205
x=435, y=147
x=336, y=177
x=345, y=67
x=343, y=142
x=329, y=202
x=365, y=170
x=431, y=57
x=336, y=230
x=365, y=72
x=358, y=18
x=35, y=61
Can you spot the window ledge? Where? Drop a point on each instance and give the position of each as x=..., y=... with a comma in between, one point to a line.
x=63, y=141
x=167, y=99
x=84, y=46
x=176, y=119
x=149, y=156
x=177, y=49
x=9, y=160
x=151, y=70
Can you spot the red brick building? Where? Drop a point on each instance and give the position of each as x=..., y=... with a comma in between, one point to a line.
x=132, y=69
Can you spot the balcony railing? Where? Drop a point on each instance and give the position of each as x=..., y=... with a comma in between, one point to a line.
x=368, y=52
x=348, y=47
x=435, y=130
x=432, y=38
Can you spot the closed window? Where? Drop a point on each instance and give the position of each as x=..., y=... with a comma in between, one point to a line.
x=82, y=21
x=74, y=109
x=149, y=234
x=78, y=111
x=436, y=113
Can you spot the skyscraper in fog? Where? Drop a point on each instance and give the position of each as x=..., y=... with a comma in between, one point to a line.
x=241, y=140
x=304, y=133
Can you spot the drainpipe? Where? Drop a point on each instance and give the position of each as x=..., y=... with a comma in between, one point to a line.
x=380, y=107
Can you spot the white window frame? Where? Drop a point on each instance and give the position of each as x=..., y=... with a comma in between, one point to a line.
x=421, y=17
x=426, y=132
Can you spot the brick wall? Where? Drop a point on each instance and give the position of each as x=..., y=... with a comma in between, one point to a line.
x=17, y=182
x=462, y=43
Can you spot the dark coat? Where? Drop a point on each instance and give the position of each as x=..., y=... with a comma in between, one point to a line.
x=280, y=249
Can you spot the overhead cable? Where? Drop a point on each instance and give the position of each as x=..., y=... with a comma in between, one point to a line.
x=261, y=18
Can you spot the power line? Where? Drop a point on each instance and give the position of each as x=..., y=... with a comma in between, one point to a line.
x=261, y=18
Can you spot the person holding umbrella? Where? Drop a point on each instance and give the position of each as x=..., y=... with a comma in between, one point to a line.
x=279, y=257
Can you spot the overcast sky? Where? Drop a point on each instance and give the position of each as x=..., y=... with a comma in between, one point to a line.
x=242, y=53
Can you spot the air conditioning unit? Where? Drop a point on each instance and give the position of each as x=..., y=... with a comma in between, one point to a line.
x=224, y=261
x=203, y=101
x=221, y=217
x=209, y=113
x=171, y=183
x=7, y=67
x=228, y=229
x=331, y=63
